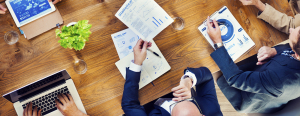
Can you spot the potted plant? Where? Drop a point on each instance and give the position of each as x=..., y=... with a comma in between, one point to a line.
x=74, y=35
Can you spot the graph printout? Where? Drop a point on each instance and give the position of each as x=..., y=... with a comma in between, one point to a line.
x=26, y=10
x=144, y=17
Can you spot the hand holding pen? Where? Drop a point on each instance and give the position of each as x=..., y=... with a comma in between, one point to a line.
x=140, y=51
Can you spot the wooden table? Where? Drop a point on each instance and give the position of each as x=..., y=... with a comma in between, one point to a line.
x=101, y=87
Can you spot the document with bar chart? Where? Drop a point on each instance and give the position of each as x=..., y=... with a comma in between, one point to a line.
x=144, y=17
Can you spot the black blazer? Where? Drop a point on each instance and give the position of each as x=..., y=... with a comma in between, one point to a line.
x=266, y=89
x=206, y=95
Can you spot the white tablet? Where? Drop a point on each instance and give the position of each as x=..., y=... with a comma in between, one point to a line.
x=26, y=11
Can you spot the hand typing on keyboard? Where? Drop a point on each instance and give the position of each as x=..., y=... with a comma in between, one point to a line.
x=28, y=111
x=67, y=106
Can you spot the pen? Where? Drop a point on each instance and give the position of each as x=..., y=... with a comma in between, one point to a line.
x=154, y=53
x=210, y=20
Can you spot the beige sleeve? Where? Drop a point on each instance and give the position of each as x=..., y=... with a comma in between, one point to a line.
x=279, y=20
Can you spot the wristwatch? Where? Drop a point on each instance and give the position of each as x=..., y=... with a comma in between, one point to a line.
x=218, y=45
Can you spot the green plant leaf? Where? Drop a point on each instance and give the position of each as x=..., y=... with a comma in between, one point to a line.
x=75, y=36
x=57, y=31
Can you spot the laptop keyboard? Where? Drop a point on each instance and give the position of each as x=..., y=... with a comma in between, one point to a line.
x=47, y=102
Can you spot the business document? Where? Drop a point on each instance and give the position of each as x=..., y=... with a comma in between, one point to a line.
x=153, y=66
x=144, y=17
x=124, y=42
x=235, y=39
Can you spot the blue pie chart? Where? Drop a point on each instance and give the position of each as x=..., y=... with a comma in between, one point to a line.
x=230, y=29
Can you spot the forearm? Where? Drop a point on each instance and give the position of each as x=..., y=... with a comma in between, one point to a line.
x=260, y=5
x=278, y=20
x=264, y=81
x=130, y=102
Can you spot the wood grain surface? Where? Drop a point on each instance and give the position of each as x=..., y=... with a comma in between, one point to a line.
x=101, y=87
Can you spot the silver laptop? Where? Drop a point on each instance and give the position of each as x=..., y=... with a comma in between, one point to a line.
x=42, y=94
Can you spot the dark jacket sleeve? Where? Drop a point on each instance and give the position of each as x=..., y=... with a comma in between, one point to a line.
x=206, y=93
x=250, y=81
x=130, y=101
x=281, y=48
x=202, y=74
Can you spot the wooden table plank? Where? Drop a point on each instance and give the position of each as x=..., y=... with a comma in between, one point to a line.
x=101, y=87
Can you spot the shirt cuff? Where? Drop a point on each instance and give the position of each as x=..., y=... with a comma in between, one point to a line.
x=135, y=68
x=191, y=75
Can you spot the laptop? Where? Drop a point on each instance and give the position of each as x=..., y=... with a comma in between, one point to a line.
x=43, y=93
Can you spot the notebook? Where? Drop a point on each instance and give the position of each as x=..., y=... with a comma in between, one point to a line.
x=235, y=39
x=153, y=67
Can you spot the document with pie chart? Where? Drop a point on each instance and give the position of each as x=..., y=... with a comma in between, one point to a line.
x=235, y=39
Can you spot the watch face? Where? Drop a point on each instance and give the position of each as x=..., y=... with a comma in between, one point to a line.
x=216, y=46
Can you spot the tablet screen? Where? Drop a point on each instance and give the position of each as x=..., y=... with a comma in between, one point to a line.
x=27, y=10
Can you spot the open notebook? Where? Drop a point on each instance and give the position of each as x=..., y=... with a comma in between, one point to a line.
x=152, y=68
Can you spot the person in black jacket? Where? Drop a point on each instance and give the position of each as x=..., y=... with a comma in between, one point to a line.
x=266, y=85
x=182, y=103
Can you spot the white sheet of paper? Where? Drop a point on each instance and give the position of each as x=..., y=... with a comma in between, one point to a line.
x=239, y=43
x=152, y=68
x=144, y=17
x=124, y=42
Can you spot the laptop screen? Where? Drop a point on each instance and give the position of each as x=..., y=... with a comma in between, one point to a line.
x=32, y=89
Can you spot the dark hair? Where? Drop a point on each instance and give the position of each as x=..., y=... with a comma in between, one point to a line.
x=297, y=46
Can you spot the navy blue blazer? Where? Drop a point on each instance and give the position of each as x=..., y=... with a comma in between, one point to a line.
x=264, y=90
x=206, y=95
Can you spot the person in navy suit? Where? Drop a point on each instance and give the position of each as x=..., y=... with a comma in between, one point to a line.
x=183, y=103
x=263, y=86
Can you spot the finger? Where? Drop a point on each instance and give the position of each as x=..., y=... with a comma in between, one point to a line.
x=144, y=49
x=177, y=88
x=56, y=1
x=175, y=99
x=261, y=63
x=209, y=25
x=2, y=12
x=35, y=111
x=263, y=58
x=40, y=112
x=70, y=97
x=58, y=105
x=149, y=44
x=65, y=97
x=30, y=109
x=61, y=99
x=216, y=24
x=179, y=91
x=179, y=94
x=26, y=110
x=138, y=44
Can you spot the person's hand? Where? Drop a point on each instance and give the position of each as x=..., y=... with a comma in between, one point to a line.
x=183, y=91
x=140, y=51
x=250, y=2
x=265, y=53
x=54, y=1
x=214, y=33
x=28, y=111
x=2, y=9
x=68, y=106
x=261, y=6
